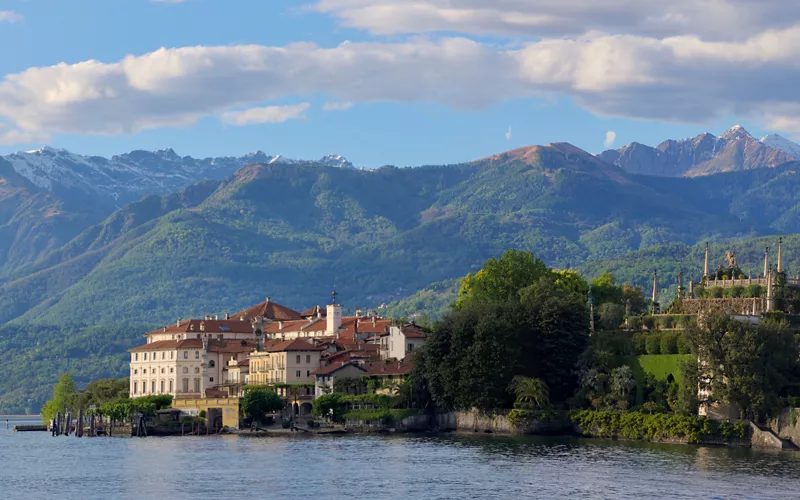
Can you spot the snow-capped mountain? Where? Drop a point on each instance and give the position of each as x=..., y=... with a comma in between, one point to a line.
x=128, y=177
x=779, y=142
x=705, y=154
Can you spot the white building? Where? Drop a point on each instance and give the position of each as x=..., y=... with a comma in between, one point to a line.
x=400, y=341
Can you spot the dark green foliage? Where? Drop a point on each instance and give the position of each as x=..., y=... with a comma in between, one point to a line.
x=654, y=427
x=500, y=280
x=611, y=315
x=755, y=363
x=475, y=352
x=652, y=344
x=256, y=404
x=669, y=343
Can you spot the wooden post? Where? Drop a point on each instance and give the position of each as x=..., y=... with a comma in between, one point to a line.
x=79, y=429
x=67, y=422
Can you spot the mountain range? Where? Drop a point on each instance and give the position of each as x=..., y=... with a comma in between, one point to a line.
x=84, y=271
x=705, y=154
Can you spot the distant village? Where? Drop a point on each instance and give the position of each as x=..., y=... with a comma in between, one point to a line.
x=204, y=362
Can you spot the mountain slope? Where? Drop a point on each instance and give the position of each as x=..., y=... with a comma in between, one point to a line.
x=735, y=150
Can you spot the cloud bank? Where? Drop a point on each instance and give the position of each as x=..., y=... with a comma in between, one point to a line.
x=625, y=58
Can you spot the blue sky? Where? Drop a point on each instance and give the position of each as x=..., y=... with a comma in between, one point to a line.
x=542, y=82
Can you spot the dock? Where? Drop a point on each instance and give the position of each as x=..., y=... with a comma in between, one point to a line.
x=30, y=428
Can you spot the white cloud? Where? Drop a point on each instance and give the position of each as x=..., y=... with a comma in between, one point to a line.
x=611, y=136
x=681, y=78
x=7, y=16
x=337, y=106
x=10, y=136
x=508, y=133
x=711, y=19
x=267, y=114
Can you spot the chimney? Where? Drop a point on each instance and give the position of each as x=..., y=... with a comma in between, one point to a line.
x=280, y=325
x=202, y=326
x=165, y=329
x=216, y=317
x=374, y=320
x=179, y=322
x=227, y=316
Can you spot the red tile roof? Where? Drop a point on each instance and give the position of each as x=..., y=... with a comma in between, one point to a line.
x=334, y=367
x=292, y=345
x=219, y=346
x=314, y=311
x=351, y=325
x=413, y=331
x=268, y=309
x=389, y=368
x=212, y=326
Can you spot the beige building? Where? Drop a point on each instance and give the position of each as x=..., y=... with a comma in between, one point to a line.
x=325, y=378
x=287, y=362
x=189, y=357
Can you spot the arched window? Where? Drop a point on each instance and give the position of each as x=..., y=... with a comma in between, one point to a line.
x=212, y=364
x=162, y=386
x=185, y=354
x=170, y=386
x=153, y=386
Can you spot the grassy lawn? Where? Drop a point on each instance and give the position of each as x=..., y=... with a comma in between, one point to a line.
x=659, y=365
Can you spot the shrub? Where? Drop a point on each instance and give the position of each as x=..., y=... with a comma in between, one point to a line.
x=635, y=323
x=611, y=315
x=715, y=293
x=669, y=343
x=653, y=344
x=683, y=344
x=753, y=291
x=649, y=322
x=734, y=292
x=638, y=344
x=202, y=414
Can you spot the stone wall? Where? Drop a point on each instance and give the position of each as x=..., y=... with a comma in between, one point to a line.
x=765, y=438
x=475, y=421
x=782, y=425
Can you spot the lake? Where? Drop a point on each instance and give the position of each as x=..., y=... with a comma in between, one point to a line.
x=36, y=465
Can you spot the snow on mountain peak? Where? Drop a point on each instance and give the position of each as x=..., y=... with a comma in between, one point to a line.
x=779, y=142
x=737, y=131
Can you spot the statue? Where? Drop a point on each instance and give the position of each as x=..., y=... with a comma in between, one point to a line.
x=731, y=258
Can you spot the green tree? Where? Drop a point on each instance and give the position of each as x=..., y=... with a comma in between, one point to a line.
x=622, y=382
x=257, y=403
x=63, y=394
x=530, y=391
x=611, y=315
x=744, y=365
x=475, y=352
x=500, y=280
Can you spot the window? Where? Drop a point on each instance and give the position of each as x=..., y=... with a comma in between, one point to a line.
x=297, y=373
x=186, y=385
x=153, y=386
x=135, y=372
x=410, y=347
x=136, y=357
x=197, y=385
x=145, y=356
x=171, y=354
x=185, y=370
x=212, y=364
x=185, y=354
x=308, y=358
x=162, y=386
x=163, y=355
x=172, y=370
x=298, y=359
x=170, y=386
x=135, y=387
x=308, y=373
x=211, y=379
x=162, y=370
x=196, y=354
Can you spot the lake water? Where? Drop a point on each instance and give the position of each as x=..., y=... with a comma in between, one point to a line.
x=38, y=466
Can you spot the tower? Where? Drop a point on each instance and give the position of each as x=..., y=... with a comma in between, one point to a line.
x=334, y=316
x=766, y=262
x=655, y=292
x=780, y=255
x=705, y=268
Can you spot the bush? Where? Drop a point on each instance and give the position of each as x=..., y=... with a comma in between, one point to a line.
x=202, y=414
x=683, y=344
x=715, y=293
x=611, y=315
x=649, y=322
x=734, y=292
x=753, y=291
x=635, y=323
x=653, y=427
x=638, y=344
x=669, y=343
x=653, y=344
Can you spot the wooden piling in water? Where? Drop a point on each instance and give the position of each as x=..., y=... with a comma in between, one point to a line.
x=79, y=430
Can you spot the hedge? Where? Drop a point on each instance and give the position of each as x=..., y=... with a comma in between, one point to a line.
x=654, y=427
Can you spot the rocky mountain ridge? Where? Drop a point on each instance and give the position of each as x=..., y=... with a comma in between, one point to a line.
x=705, y=154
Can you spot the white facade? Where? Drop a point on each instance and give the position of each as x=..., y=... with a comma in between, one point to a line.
x=397, y=344
x=178, y=372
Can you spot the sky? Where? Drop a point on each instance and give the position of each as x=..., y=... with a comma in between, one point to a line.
x=400, y=82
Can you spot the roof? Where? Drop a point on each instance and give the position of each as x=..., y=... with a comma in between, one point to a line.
x=219, y=346
x=352, y=324
x=413, y=331
x=334, y=367
x=292, y=345
x=207, y=326
x=300, y=325
x=314, y=311
x=389, y=368
x=267, y=309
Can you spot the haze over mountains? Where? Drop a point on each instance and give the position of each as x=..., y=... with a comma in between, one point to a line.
x=216, y=235
x=705, y=154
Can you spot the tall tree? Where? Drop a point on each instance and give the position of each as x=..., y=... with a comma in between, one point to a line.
x=500, y=280
x=63, y=393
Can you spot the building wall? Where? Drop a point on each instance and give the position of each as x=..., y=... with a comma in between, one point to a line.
x=229, y=407
x=396, y=345
x=324, y=382
x=168, y=367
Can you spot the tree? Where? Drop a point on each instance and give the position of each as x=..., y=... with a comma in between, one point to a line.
x=257, y=403
x=475, y=352
x=530, y=390
x=63, y=394
x=744, y=365
x=611, y=315
x=500, y=280
x=622, y=383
